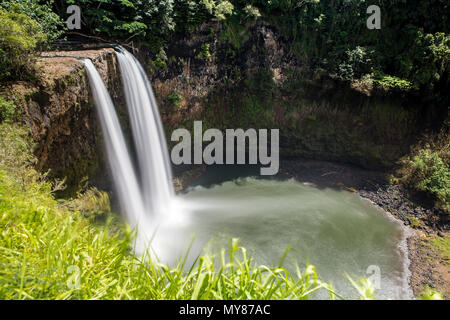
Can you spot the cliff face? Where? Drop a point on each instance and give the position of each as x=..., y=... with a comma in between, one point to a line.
x=251, y=78
x=59, y=111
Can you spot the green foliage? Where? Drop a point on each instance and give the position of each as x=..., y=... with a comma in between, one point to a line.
x=328, y=35
x=430, y=294
x=8, y=111
x=441, y=246
x=146, y=22
x=219, y=9
x=429, y=173
x=90, y=203
x=428, y=58
x=27, y=26
x=357, y=62
x=392, y=82
x=204, y=51
x=41, y=12
x=427, y=167
x=19, y=37
x=175, y=98
x=251, y=12
x=188, y=14
x=409, y=51
x=332, y=35
x=15, y=146
x=235, y=34
x=416, y=223
x=159, y=63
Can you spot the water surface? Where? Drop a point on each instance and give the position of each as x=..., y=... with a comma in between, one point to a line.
x=334, y=230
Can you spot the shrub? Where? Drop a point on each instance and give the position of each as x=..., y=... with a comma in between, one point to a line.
x=430, y=294
x=356, y=63
x=19, y=37
x=392, y=82
x=50, y=23
x=8, y=111
x=175, y=98
x=251, y=12
x=430, y=56
x=15, y=144
x=90, y=203
x=205, y=51
x=427, y=172
x=219, y=9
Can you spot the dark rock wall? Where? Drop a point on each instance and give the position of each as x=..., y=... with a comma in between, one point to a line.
x=250, y=78
x=59, y=111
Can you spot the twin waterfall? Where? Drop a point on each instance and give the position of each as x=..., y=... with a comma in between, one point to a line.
x=145, y=193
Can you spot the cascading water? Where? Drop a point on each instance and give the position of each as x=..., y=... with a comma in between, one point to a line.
x=146, y=200
x=149, y=138
x=122, y=170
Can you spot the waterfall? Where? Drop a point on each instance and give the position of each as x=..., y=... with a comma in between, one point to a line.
x=118, y=157
x=148, y=135
x=145, y=193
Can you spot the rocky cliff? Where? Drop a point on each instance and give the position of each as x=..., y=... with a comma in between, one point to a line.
x=58, y=109
x=251, y=78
